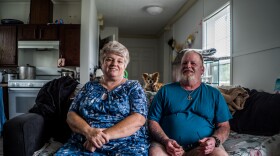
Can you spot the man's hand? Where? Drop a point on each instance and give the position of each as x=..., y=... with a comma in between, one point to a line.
x=207, y=145
x=173, y=148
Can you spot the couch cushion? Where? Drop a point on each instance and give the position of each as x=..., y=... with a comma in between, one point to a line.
x=260, y=116
x=150, y=96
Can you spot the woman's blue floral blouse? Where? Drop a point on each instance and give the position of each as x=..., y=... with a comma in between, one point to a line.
x=103, y=109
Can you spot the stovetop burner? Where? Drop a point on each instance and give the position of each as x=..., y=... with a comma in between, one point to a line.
x=27, y=83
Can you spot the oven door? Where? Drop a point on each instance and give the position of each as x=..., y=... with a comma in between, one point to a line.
x=21, y=100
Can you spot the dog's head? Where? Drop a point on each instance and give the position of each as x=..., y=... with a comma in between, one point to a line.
x=151, y=78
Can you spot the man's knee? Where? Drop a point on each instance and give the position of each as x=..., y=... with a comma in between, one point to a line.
x=157, y=149
x=220, y=151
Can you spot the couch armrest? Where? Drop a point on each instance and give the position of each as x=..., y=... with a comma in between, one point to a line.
x=23, y=135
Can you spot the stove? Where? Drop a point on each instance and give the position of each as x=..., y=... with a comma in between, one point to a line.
x=22, y=95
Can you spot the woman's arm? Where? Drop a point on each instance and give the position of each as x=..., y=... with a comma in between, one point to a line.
x=126, y=127
x=79, y=125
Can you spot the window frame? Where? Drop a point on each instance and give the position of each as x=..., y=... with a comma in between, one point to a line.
x=204, y=38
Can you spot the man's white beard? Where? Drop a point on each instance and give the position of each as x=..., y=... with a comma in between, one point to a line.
x=189, y=79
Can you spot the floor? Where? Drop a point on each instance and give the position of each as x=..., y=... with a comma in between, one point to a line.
x=1, y=146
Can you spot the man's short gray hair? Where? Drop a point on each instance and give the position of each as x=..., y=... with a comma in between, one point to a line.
x=194, y=51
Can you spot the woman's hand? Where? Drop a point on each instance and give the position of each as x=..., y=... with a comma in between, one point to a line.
x=89, y=146
x=96, y=137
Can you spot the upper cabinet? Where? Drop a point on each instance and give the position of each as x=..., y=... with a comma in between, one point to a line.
x=41, y=12
x=70, y=44
x=38, y=32
x=8, y=46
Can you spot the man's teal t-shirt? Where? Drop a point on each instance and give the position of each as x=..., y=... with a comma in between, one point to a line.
x=188, y=121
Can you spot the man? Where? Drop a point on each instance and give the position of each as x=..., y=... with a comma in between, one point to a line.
x=189, y=117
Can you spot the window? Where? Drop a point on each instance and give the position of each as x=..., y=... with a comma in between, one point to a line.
x=217, y=34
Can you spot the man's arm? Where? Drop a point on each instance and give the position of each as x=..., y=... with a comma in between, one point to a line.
x=207, y=145
x=158, y=135
x=222, y=131
x=156, y=132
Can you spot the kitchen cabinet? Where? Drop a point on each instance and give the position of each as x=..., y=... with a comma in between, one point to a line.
x=8, y=45
x=70, y=44
x=41, y=12
x=38, y=32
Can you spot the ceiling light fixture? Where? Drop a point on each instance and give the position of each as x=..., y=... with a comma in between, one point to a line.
x=154, y=10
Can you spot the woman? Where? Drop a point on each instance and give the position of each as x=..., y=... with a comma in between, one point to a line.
x=108, y=117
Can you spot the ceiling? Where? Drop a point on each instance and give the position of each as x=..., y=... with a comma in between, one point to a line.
x=131, y=18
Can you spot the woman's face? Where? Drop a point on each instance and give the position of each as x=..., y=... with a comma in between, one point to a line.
x=113, y=66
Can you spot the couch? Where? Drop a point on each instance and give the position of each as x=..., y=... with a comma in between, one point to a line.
x=255, y=129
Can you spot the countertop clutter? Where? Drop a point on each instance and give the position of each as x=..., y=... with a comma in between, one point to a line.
x=8, y=74
x=2, y=82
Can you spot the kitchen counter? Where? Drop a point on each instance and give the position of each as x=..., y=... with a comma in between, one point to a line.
x=4, y=84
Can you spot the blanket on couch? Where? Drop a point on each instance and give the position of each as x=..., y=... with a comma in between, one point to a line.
x=52, y=103
x=235, y=98
x=260, y=116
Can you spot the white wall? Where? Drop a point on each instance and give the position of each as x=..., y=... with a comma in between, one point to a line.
x=165, y=57
x=144, y=56
x=190, y=24
x=255, y=38
x=108, y=31
x=70, y=12
x=256, y=43
x=257, y=70
x=15, y=10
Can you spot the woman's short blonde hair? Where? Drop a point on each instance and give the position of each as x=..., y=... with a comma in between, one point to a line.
x=116, y=48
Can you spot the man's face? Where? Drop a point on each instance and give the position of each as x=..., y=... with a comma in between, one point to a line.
x=191, y=67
